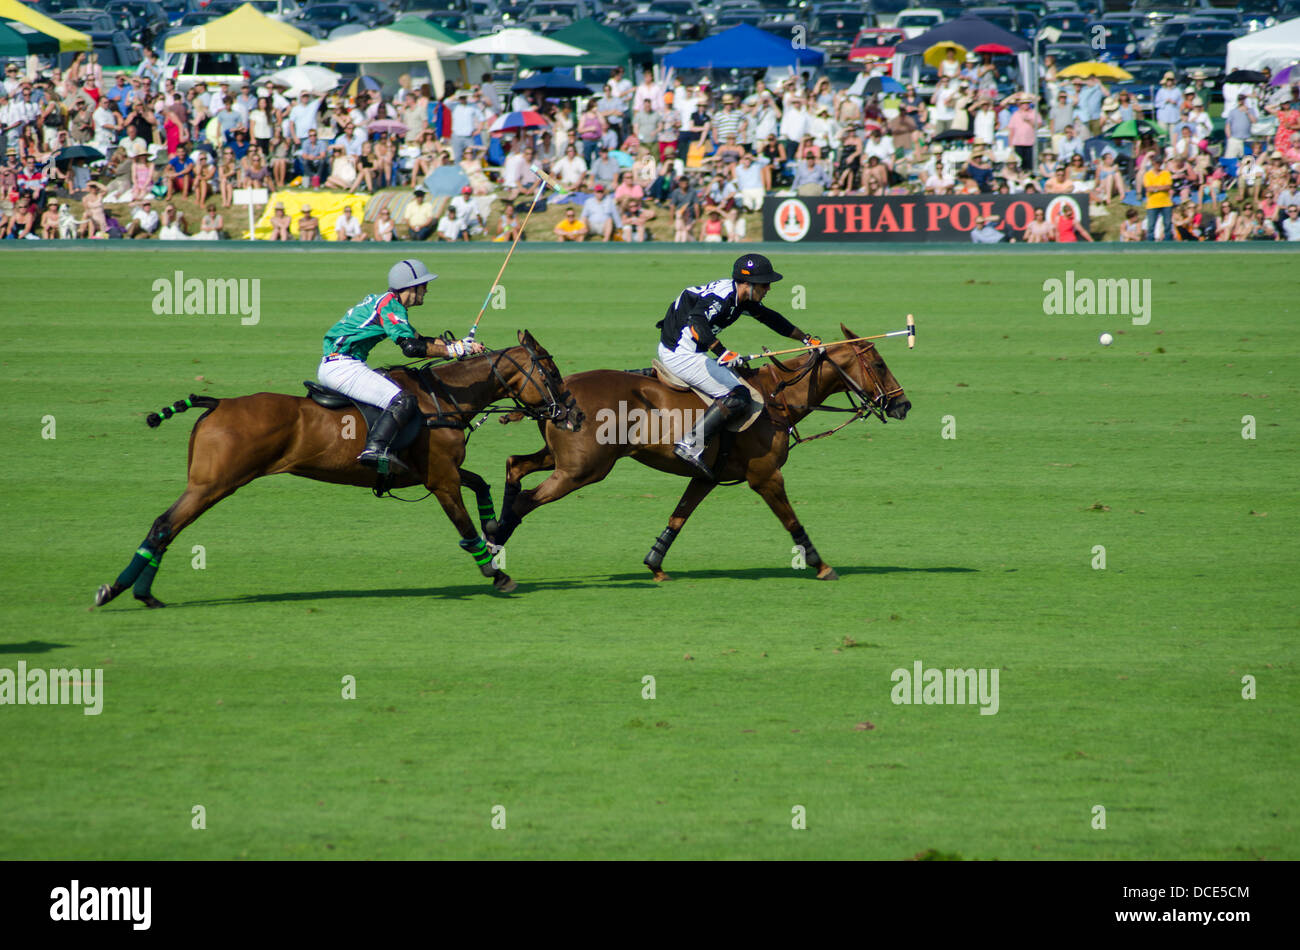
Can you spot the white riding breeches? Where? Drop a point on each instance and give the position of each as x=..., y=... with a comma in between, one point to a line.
x=696, y=368
x=355, y=379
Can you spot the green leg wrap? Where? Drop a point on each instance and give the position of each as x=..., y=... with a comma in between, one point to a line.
x=477, y=549
x=144, y=580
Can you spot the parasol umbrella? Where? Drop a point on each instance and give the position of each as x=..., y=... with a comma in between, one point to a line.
x=997, y=49
x=879, y=85
x=953, y=135
x=316, y=79
x=518, y=121
x=517, y=42
x=361, y=84
x=623, y=159
x=387, y=127
x=936, y=54
x=1095, y=68
x=1134, y=129
x=552, y=86
x=72, y=153
x=446, y=180
x=1248, y=76
x=1286, y=76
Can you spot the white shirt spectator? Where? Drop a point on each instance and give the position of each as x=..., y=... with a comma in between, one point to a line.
x=147, y=219
x=882, y=148
x=449, y=228
x=465, y=118
x=303, y=118
x=105, y=125
x=347, y=228
x=467, y=214
x=516, y=173
x=652, y=91
x=794, y=123
x=570, y=170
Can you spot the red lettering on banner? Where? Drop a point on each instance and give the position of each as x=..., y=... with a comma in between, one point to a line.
x=962, y=216
x=908, y=223
x=886, y=221
x=828, y=212
x=986, y=208
x=1019, y=214
x=857, y=217
x=937, y=211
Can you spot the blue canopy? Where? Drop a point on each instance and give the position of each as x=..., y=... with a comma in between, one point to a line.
x=742, y=47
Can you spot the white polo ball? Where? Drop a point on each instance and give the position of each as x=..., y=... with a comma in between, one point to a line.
x=1107, y=339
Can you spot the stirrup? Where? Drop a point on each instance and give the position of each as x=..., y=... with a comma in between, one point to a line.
x=683, y=450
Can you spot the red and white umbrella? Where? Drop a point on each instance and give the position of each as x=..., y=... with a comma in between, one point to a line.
x=518, y=122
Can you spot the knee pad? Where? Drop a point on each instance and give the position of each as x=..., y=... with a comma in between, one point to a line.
x=403, y=407
x=737, y=399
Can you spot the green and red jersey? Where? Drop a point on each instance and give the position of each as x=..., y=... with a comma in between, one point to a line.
x=377, y=316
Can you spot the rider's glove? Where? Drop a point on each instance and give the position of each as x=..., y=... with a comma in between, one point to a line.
x=810, y=340
x=730, y=358
x=456, y=348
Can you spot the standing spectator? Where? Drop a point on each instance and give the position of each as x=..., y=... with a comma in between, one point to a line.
x=1089, y=105
x=648, y=90
x=646, y=123
x=748, y=176
x=1022, y=129
x=418, y=216
x=1237, y=125
x=1168, y=102
x=303, y=118
x=467, y=119
x=1158, y=185
x=684, y=203
x=591, y=128
x=942, y=113
x=794, y=124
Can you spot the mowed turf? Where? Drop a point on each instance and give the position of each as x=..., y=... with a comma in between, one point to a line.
x=1119, y=687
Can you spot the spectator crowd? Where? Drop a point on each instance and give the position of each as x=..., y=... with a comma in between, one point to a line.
x=640, y=160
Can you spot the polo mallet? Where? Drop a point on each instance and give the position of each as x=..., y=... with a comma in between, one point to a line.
x=909, y=332
x=543, y=180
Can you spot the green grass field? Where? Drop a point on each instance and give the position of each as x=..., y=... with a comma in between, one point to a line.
x=1119, y=687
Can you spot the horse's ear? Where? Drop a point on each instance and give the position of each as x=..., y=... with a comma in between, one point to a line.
x=524, y=337
x=848, y=334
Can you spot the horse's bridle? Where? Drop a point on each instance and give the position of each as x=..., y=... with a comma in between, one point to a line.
x=551, y=384
x=861, y=402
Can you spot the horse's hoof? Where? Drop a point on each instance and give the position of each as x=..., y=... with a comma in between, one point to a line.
x=827, y=573
x=149, y=600
x=659, y=575
x=106, y=593
x=504, y=583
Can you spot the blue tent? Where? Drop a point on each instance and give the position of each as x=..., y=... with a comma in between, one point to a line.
x=742, y=47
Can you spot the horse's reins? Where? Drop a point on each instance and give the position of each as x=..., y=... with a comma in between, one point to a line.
x=861, y=402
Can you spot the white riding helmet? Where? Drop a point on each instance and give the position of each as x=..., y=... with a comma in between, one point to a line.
x=406, y=274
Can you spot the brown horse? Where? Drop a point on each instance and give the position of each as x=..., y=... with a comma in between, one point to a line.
x=240, y=439
x=791, y=392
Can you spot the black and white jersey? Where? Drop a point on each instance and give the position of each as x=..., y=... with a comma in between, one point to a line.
x=708, y=309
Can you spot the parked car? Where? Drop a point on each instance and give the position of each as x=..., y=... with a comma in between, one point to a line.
x=1117, y=40
x=875, y=45
x=917, y=20
x=1206, y=50
x=86, y=20
x=1169, y=30
x=833, y=29
x=143, y=19
x=190, y=68
x=1147, y=74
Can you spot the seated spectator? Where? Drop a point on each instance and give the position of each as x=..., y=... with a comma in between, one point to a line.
x=172, y=229
x=144, y=221
x=1291, y=223
x=1039, y=230
x=748, y=178
x=418, y=216
x=21, y=223
x=1131, y=229
x=343, y=169
x=50, y=222
x=449, y=227
x=571, y=227
x=811, y=177
x=711, y=228
x=384, y=225
x=179, y=172
x=280, y=224
x=635, y=218
x=315, y=158
x=94, y=223
x=467, y=213
x=212, y=227
x=308, y=225
x=348, y=226
x=571, y=169
x=509, y=227
x=604, y=168
x=600, y=215
x=1068, y=228
x=987, y=232
x=627, y=190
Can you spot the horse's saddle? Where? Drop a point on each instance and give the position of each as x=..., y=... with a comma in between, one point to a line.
x=333, y=399
x=738, y=423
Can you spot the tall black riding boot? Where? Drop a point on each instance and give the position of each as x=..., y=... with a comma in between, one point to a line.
x=385, y=429
x=691, y=448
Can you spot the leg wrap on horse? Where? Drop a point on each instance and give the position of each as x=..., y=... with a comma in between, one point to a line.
x=810, y=555
x=660, y=548
x=144, y=564
x=509, y=520
x=477, y=549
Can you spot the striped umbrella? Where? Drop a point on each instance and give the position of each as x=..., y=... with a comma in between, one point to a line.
x=362, y=84
x=518, y=121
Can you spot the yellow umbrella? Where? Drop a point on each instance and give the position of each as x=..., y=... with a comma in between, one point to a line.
x=70, y=40
x=1094, y=68
x=936, y=54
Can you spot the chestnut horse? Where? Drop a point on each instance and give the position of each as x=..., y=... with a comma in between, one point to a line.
x=237, y=440
x=791, y=390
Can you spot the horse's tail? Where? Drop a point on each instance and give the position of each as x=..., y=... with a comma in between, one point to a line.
x=154, y=419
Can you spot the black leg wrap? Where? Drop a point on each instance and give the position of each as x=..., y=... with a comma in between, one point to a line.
x=660, y=548
x=810, y=555
x=506, y=526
